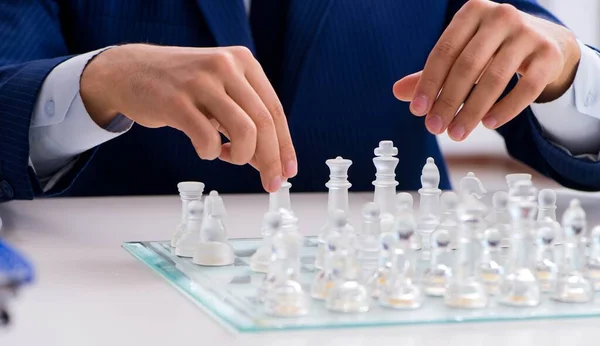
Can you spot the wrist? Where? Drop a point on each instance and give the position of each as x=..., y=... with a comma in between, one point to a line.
x=98, y=87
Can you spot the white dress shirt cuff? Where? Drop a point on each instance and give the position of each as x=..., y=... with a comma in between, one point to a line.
x=61, y=127
x=572, y=122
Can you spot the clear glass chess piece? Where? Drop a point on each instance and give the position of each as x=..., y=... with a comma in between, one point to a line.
x=465, y=288
x=547, y=210
x=400, y=290
x=348, y=293
x=545, y=267
x=213, y=249
x=283, y=294
x=500, y=218
x=188, y=240
x=520, y=286
x=326, y=232
x=387, y=242
x=429, y=205
x=339, y=238
x=385, y=182
x=439, y=271
x=188, y=191
x=471, y=185
x=259, y=262
x=571, y=285
x=592, y=265
x=490, y=267
x=513, y=178
x=449, y=202
x=368, y=240
x=406, y=214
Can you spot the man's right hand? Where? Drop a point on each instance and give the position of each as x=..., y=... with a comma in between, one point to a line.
x=200, y=91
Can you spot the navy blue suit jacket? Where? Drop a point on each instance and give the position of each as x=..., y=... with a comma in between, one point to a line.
x=340, y=61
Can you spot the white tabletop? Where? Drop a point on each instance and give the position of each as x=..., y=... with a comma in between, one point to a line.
x=89, y=291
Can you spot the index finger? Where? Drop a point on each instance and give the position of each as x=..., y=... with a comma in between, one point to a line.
x=265, y=91
x=442, y=57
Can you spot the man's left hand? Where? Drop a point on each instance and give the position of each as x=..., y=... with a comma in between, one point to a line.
x=480, y=51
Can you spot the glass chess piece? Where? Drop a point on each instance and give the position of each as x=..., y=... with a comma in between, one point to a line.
x=339, y=238
x=592, y=265
x=404, y=214
x=259, y=262
x=348, y=294
x=545, y=267
x=283, y=294
x=188, y=191
x=499, y=217
x=326, y=232
x=385, y=162
x=429, y=205
x=400, y=290
x=188, y=240
x=490, y=267
x=439, y=271
x=520, y=286
x=471, y=185
x=465, y=288
x=571, y=284
x=547, y=209
x=449, y=202
x=513, y=178
x=368, y=240
x=387, y=242
x=213, y=249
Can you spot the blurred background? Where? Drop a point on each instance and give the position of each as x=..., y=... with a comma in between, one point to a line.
x=484, y=152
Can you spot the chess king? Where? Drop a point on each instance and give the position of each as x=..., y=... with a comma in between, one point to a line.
x=123, y=97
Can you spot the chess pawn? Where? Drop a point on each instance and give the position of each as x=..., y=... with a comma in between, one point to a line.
x=571, y=285
x=326, y=232
x=545, y=266
x=385, y=180
x=547, y=209
x=490, y=267
x=340, y=237
x=259, y=262
x=186, y=245
x=438, y=273
x=368, y=240
x=520, y=286
x=213, y=248
x=465, y=288
x=188, y=191
x=387, y=242
x=449, y=202
x=429, y=204
x=512, y=179
x=405, y=213
x=592, y=265
x=284, y=295
x=347, y=294
x=400, y=290
x=471, y=185
x=500, y=218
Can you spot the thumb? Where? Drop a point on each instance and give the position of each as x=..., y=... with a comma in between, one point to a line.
x=405, y=87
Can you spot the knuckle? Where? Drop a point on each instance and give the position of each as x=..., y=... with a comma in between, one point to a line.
x=247, y=130
x=445, y=50
x=446, y=105
x=467, y=62
x=506, y=13
x=531, y=84
x=277, y=111
x=474, y=5
x=241, y=52
x=498, y=76
x=223, y=61
x=263, y=120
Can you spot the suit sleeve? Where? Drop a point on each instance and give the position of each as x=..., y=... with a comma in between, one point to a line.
x=524, y=137
x=31, y=46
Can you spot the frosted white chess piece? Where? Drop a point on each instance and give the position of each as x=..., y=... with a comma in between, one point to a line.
x=327, y=232
x=340, y=237
x=438, y=273
x=520, y=286
x=511, y=179
x=571, y=285
x=368, y=240
x=188, y=191
x=429, y=204
x=338, y=184
x=545, y=265
x=186, y=245
x=385, y=181
x=490, y=267
x=282, y=292
x=449, y=202
x=471, y=185
x=348, y=293
x=406, y=214
x=400, y=290
x=213, y=249
x=592, y=266
x=465, y=288
x=547, y=209
x=499, y=217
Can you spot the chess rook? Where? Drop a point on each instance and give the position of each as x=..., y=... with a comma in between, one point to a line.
x=512, y=179
x=338, y=184
x=188, y=191
x=385, y=177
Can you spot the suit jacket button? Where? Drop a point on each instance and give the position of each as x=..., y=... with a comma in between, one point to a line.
x=6, y=192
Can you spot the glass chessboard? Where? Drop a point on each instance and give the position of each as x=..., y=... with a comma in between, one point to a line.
x=228, y=294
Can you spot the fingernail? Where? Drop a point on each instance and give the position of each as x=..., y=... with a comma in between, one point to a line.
x=434, y=124
x=291, y=168
x=490, y=123
x=275, y=184
x=457, y=132
x=419, y=105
